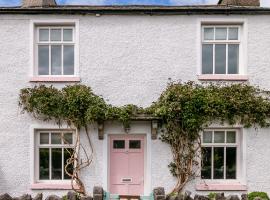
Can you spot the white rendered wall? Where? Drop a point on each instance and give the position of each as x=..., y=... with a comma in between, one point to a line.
x=127, y=59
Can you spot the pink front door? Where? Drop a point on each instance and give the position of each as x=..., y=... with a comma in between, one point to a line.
x=126, y=164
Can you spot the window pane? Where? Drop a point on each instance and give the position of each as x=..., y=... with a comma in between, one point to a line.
x=55, y=34
x=68, y=138
x=220, y=59
x=67, y=34
x=208, y=33
x=231, y=163
x=67, y=154
x=207, y=137
x=219, y=137
x=56, y=57
x=233, y=33
x=218, y=162
x=44, y=157
x=43, y=35
x=206, y=163
x=207, y=59
x=56, y=138
x=119, y=144
x=43, y=60
x=233, y=58
x=44, y=138
x=231, y=137
x=68, y=60
x=56, y=163
x=221, y=33
x=134, y=144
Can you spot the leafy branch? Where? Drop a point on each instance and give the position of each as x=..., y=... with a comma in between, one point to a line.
x=185, y=109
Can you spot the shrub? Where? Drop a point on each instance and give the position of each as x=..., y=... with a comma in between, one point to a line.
x=212, y=195
x=262, y=195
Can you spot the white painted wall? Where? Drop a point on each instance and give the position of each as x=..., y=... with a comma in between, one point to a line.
x=127, y=59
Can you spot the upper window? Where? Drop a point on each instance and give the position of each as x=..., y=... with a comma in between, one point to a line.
x=220, y=49
x=219, y=154
x=55, y=50
x=53, y=148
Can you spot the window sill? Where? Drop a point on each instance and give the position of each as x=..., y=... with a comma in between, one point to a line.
x=221, y=187
x=222, y=77
x=48, y=186
x=55, y=79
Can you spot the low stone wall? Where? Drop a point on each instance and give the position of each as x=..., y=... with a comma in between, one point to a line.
x=159, y=194
x=98, y=194
x=69, y=196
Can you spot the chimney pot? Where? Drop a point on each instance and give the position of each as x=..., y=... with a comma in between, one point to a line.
x=38, y=3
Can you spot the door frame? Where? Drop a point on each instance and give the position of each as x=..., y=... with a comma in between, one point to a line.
x=147, y=160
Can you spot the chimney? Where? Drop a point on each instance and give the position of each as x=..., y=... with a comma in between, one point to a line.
x=38, y=3
x=239, y=2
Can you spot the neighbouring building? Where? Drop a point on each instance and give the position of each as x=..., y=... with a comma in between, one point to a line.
x=127, y=54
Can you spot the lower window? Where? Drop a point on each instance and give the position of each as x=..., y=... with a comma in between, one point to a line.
x=219, y=154
x=54, y=148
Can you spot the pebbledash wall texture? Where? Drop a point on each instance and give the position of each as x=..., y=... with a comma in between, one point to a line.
x=126, y=59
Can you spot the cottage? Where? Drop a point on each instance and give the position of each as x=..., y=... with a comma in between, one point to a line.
x=127, y=54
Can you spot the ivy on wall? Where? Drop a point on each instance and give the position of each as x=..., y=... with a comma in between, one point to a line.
x=184, y=109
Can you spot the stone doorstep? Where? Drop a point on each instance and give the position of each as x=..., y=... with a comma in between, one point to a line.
x=129, y=197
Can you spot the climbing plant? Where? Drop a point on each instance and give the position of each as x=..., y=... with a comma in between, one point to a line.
x=187, y=108
x=77, y=106
x=184, y=109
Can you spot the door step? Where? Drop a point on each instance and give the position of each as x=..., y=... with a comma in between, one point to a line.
x=108, y=196
x=128, y=197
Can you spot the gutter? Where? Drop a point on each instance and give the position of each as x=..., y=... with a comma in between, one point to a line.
x=137, y=10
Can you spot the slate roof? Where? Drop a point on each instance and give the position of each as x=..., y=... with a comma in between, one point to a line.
x=139, y=10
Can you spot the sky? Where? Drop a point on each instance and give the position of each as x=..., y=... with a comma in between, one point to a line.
x=264, y=3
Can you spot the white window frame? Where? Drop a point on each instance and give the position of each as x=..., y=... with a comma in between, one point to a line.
x=37, y=145
x=239, y=154
x=50, y=43
x=54, y=23
x=225, y=42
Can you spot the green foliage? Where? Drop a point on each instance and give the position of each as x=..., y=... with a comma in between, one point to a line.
x=75, y=104
x=212, y=195
x=43, y=102
x=64, y=197
x=262, y=195
x=185, y=109
x=123, y=113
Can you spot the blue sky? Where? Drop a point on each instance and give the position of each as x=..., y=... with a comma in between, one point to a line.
x=265, y=3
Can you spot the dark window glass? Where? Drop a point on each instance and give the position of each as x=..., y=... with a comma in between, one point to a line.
x=44, y=157
x=67, y=154
x=218, y=162
x=231, y=137
x=220, y=59
x=135, y=144
x=206, y=163
x=44, y=138
x=233, y=58
x=56, y=138
x=68, y=138
x=231, y=163
x=233, y=33
x=43, y=60
x=207, y=59
x=119, y=144
x=57, y=163
x=56, y=59
x=68, y=60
